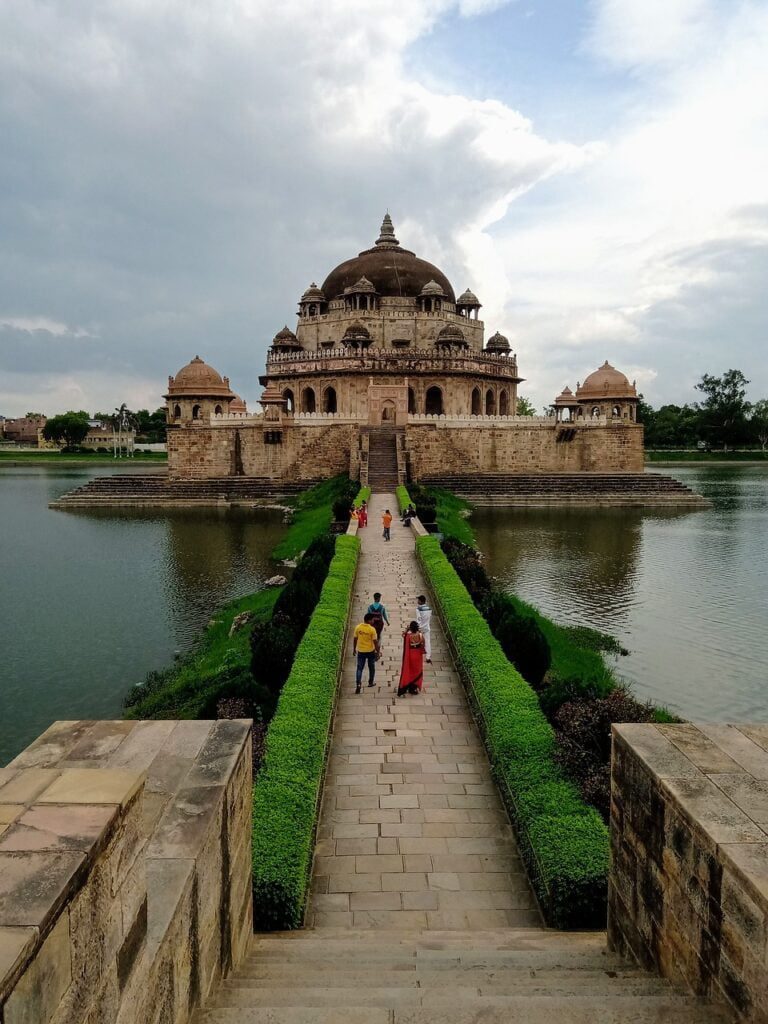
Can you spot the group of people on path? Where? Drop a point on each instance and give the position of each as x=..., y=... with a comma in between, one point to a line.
x=360, y=515
x=417, y=645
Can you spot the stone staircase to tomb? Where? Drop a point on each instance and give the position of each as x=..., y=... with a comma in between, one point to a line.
x=505, y=976
x=587, y=489
x=382, y=460
x=159, y=490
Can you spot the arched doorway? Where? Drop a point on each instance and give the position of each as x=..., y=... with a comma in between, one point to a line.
x=195, y=412
x=329, y=400
x=477, y=402
x=433, y=404
x=308, y=400
x=503, y=403
x=288, y=396
x=218, y=411
x=490, y=403
x=176, y=412
x=388, y=412
x=411, y=401
x=596, y=412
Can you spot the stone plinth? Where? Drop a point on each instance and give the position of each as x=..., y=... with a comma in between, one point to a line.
x=125, y=887
x=688, y=892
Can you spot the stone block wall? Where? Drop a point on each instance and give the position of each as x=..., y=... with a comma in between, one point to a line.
x=125, y=881
x=440, y=447
x=688, y=890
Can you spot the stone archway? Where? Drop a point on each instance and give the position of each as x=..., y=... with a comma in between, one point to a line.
x=388, y=412
x=433, y=404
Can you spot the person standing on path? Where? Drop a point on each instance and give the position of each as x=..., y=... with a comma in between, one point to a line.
x=412, y=669
x=365, y=647
x=424, y=618
x=386, y=522
x=378, y=614
x=362, y=515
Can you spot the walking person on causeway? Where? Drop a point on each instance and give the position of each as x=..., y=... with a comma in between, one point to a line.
x=424, y=618
x=386, y=522
x=412, y=670
x=365, y=647
x=378, y=614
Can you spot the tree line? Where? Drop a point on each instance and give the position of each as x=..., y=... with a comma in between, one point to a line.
x=70, y=428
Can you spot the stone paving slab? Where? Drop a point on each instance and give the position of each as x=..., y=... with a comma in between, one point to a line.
x=412, y=832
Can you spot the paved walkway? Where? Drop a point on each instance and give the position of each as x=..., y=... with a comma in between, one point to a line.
x=412, y=831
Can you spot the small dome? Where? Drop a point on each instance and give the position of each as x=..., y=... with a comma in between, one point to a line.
x=432, y=288
x=450, y=335
x=566, y=397
x=237, y=405
x=606, y=382
x=286, y=339
x=497, y=343
x=467, y=298
x=198, y=379
x=363, y=285
x=357, y=332
x=313, y=294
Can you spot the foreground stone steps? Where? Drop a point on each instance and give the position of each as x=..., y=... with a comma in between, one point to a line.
x=499, y=976
x=159, y=489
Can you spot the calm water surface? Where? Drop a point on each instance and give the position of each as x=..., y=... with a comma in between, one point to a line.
x=687, y=593
x=91, y=601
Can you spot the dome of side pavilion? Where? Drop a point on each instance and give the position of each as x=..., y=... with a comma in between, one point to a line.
x=392, y=270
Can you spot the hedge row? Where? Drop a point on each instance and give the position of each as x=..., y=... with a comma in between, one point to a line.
x=287, y=792
x=364, y=494
x=563, y=840
x=403, y=498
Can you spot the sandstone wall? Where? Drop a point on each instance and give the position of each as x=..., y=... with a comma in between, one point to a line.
x=688, y=892
x=125, y=881
x=441, y=447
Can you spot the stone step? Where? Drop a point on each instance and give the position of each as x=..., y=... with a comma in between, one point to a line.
x=439, y=940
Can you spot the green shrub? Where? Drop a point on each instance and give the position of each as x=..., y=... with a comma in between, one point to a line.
x=403, y=498
x=287, y=792
x=525, y=645
x=364, y=494
x=563, y=839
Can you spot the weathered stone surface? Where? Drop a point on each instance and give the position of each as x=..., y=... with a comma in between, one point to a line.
x=16, y=945
x=37, y=994
x=101, y=740
x=58, y=828
x=26, y=786
x=34, y=887
x=86, y=786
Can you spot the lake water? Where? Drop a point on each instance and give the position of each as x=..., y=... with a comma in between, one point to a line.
x=685, y=592
x=91, y=601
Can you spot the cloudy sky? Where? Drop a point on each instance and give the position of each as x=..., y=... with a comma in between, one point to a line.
x=173, y=174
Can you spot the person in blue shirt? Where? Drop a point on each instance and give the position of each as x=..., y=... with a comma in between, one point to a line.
x=379, y=613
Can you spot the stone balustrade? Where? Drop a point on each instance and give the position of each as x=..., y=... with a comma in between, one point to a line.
x=423, y=360
x=125, y=882
x=688, y=892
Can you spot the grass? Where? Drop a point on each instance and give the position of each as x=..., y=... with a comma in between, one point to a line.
x=364, y=494
x=713, y=456
x=451, y=516
x=313, y=513
x=190, y=688
x=48, y=456
x=286, y=796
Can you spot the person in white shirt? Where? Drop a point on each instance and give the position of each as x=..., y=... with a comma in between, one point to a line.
x=423, y=617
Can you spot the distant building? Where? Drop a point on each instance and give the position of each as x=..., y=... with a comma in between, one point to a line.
x=104, y=435
x=25, y=430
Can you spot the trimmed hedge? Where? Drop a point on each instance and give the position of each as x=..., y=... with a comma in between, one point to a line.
x=403, y=498
x=364, y=494
x=563, y=840
x=287, y=792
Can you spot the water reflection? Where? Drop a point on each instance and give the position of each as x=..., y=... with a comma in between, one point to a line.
x=686, y=592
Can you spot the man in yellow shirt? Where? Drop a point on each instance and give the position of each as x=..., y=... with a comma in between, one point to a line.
x=365, y=647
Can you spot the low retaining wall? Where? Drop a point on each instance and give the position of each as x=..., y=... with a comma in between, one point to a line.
x=688, y=893
x=125, y=881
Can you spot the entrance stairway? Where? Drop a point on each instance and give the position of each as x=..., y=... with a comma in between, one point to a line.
x=382, y=460
x=159, y=489
x=506, y=976
x=587, y=489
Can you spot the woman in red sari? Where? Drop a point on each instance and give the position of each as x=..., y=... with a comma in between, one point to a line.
x=412, y=671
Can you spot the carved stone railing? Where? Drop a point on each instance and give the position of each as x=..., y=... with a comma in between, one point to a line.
x=381, y=360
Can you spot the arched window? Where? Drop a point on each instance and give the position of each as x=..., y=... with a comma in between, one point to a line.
x=176, y=411
x=308, y=400
x=565, y=415
x=503, y=402
x=616, y=412
x=411, y=401
x=195, y=412
x=329, y=400
x=595, y=412
x=434, y=402
x=477, y=402
x=490, y=403
x=288, y=396
x=217, y=411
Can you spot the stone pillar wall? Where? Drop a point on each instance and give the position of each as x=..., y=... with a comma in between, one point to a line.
x=688, y=889
x=125, y=871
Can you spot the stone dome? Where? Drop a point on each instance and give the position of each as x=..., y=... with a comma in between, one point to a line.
x=285, y=338
x=313, y=294
x=432, y=288
x=392, y=270
x=238, y=405
x=356, y=332
x=606, y=382
x=467, y=298
x=566, y=397
x=497, y=343
x=199, y=380
x=450, y=335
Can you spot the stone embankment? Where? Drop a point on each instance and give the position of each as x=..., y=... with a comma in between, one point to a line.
x=585, y=489
x=158, y=490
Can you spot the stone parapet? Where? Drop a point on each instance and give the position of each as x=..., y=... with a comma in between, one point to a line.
x=688, y=891
x=125, y=883
x=376, y=360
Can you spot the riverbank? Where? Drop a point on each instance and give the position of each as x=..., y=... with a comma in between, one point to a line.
x=690, y=458
x=49, y=458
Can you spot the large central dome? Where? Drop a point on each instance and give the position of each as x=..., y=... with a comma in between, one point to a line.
x=391, y=269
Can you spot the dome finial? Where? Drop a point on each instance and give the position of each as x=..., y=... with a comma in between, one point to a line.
x=387, y=233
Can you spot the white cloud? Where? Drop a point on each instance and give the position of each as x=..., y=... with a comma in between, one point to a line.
x=43, y=323
x=638, y=32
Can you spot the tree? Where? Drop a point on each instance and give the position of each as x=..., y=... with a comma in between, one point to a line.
x=151, y=426
x=525, y=407
x=69, y=427
x=759, y=422
x=725, y=408
x=34, y=415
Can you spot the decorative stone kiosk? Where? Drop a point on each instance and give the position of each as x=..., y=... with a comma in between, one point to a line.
x=125, y=881
x=688, y=893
